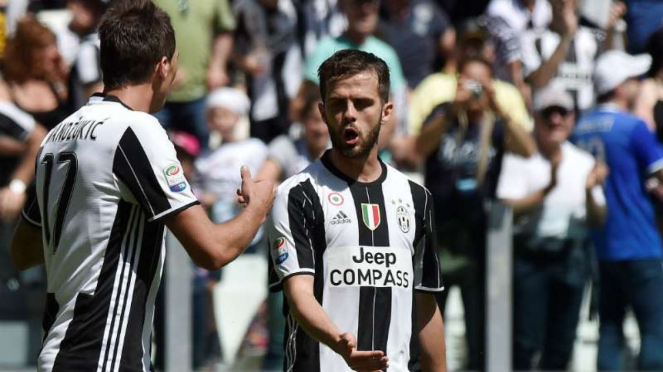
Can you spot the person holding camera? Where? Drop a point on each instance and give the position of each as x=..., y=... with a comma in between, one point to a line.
x=463, y=142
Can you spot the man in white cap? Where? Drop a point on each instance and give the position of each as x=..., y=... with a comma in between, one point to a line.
x=628, y=246
x=555, y=195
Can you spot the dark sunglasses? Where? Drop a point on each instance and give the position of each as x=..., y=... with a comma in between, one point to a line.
x=549, y=111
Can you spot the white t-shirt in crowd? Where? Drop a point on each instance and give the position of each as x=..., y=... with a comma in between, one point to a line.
x=563, y=212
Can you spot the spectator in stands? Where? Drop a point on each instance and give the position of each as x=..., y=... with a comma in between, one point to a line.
x=643, y=18
x=463, y=142
x=85, y=75
x=555, y=196
x=507, y=20
x=287, y=157
x=420, y=32
x=440, y=87
x=628, y=246
x=35, y=73
x=268, y=52
x=203, y=30
x=649, y=105
x=564, y=53
x=362, y=18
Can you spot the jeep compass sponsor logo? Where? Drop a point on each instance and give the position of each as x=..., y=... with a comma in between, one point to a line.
x=369, y=266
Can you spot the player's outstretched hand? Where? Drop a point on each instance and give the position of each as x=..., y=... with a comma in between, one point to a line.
x=360, y=361
x=255, y=193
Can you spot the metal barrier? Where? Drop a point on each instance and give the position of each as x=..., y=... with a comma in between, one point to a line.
x=178, y=294
x=499, y=254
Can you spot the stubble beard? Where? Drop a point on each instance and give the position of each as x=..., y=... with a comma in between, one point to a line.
x=362, y=148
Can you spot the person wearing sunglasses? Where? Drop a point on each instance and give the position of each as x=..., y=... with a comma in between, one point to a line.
x=556, y=196
x=628, y=246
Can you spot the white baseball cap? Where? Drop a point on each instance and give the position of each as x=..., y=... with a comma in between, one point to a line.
x=552, y=95
x=615, y=67
x=233, y=99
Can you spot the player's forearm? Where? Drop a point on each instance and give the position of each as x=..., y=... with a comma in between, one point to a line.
x=431, y=334
x=237, y=233
x=312, y=317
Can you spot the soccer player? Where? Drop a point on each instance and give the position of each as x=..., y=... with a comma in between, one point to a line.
x=107, y=184
x=353, y=240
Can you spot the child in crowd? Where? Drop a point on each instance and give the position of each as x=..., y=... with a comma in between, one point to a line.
x=218, y=170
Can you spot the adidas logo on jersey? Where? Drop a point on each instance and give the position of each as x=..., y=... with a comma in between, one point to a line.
x=340, y=219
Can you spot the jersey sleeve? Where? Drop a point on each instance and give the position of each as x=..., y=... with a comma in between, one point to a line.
x=146, y=164
x=427, y=273
x=291, y=235
x=646, y=148
x=30, y=210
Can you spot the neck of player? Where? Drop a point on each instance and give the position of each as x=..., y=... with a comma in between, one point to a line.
x=364, y=169
x=138, y=97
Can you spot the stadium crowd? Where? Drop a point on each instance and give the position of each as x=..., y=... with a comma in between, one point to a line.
x=553, y=107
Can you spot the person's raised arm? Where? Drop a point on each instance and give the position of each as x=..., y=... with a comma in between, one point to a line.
x=314, y=320
x=212, y=246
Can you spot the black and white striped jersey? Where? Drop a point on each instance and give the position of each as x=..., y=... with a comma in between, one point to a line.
x=368, y=246
x=106, y=178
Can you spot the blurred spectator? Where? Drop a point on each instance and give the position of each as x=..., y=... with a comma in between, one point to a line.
x=507, y=20
x=268, y=52
x=463, y=143
x=203, y=31
x=643, y=18
x=420, y=32
x=649, y=105
x=35, y=73
x=85, y=75
x=217, y=170
x=564, y=53
x=287, y=157
x=362, y=18
x=441, y=87
x=318, y=19
x=628, y=246
x=21, y=293
x=555, y=196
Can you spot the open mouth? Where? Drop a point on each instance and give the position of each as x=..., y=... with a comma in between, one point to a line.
x=350, y=136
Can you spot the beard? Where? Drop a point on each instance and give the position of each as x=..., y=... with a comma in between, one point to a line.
x=363, y=146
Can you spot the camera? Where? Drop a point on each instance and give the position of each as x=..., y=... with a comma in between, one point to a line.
x=475, y=88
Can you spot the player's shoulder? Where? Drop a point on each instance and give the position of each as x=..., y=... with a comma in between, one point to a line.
x=396, y=177
x=309, y=175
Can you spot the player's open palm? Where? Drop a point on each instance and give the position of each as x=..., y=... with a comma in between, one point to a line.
x=258, y=193
x=361, y=361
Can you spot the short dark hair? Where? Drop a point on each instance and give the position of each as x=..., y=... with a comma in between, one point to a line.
x=349, y=62
x=134, y=35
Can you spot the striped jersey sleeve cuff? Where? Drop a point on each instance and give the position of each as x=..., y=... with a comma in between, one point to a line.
x=29, y=220
x=172, y=211
x=277, y=286
x=428, y=290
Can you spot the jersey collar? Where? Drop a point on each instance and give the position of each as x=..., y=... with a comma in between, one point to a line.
x=102, y=97
x=326, y=161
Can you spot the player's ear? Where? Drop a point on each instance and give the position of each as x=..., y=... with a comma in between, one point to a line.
x=321, y=108
x=163, y=67
x=387, y=110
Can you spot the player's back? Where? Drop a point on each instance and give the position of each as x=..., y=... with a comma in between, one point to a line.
x=100, y=188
